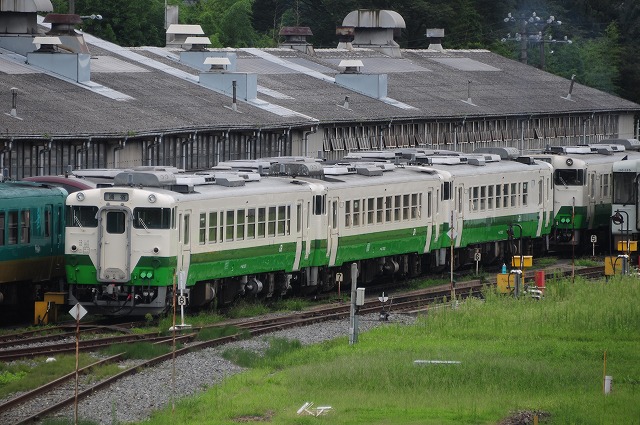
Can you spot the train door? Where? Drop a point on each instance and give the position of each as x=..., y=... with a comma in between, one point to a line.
x=300, y=233
x=114, y=247
x=333, y=230
x=459, y=212
x=542, y=206
x=184, y=240
x=591, y=196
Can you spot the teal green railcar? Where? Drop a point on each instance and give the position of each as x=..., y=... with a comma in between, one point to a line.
x=31, y=245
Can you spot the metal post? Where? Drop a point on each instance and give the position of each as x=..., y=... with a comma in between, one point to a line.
x=353, y=323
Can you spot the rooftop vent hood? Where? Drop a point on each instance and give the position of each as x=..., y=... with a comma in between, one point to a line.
x=296, y=38
x=435, y=36
x=375, y=29
x=19, y=23
x=48, y=56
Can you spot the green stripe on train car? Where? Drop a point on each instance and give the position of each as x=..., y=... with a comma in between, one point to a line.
x=491, y=229
x=571, y=218
x=381, y=244
x=153, y=271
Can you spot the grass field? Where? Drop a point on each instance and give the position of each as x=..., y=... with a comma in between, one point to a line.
x=515, y=355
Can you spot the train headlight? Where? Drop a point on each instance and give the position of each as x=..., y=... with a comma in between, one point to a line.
x=80, y=196
x=152, y=198
x=569, y=162
x=156, y=250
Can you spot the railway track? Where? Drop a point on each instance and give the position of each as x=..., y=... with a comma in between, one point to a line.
x=29, y=407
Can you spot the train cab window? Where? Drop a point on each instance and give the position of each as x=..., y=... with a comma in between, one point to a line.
x=25, y=226
x=115, y=222
x=624, y=190
x=568, y=177
x=81, y=216
x=152, y=218
x=1, y=228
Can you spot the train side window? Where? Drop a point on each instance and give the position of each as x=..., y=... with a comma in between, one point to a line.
x=460, y=196
x=47, y=221
x=513, y=194
x=540, y=197
x=498, y=195
x=606, y=178
x=505, y=195
x=446, y=191
x=379, y=210
x=186, y=229
x=483, y=198
x=203, y=228
x=415, y=212
x=334, y=214
x=525, y=193
x=396, y=207
x=240, y=224
x=2, y=228
x=271, y=222
x=356, y=212
x=592, y=185
x=319, y=202
x=405, y=207
x=229, y=225
x=371, y=209
x=115, y=222
x=490, y=197
x=251, y=223
x=429, y=206
x=299, y=218
x=213, y=227
x=262, y=219
x=475, y=198
x=347, y=214
x=388, y=208
x=282, y=220
x=13, y=227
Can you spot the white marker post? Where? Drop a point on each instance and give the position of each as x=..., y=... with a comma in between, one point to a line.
x=78, y=312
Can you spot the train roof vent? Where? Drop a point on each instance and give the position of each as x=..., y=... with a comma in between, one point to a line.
x=339, y=169
x=144, y=178
x=526, y=160
x=229, y=180
x=167, y=168
x=478, y=161
x=368, y=170
x=448, y=160
x=506, y=152
x=570, y=149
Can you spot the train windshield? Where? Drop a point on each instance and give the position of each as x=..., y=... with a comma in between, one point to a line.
x=569, y=177
x=624, y=191
x=152, y=218
x=78, y=216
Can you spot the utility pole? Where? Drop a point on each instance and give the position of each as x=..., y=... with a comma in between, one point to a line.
x=533, y=30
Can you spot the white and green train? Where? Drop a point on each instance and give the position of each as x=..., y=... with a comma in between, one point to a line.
x=232, y=233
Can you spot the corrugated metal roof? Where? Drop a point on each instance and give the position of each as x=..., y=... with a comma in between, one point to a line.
x=385, y=65
x=113, y=64
x=465, y=64
x=260, y=66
